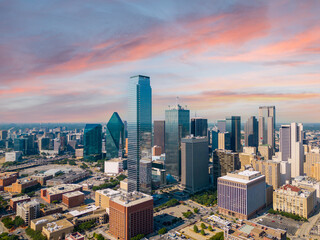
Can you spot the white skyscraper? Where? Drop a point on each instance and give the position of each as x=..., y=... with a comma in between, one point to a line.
x=297, y=153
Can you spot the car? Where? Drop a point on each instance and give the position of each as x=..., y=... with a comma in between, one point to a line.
x=273, y=221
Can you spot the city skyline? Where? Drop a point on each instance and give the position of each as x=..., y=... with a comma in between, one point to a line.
x=221, y=59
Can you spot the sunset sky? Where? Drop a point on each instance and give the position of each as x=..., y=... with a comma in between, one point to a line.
x=70, y=61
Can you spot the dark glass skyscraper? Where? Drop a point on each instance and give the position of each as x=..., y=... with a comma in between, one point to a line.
x=159, y=134
x=233, y=126
x=139, y=127
x=177, y=127
x=115, y=136
x=199, y=127
x=92, y=140
x=221, y=126
x=251, y=132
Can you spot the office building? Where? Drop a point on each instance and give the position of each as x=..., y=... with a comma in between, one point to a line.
x=194, y=164
x=16, y=200
x=158, y=177
x=271, y=170
x=55, y=193
x=139, y=127
x=199, y=127
x=222, y=126
x=115, y=166
x=297, y=152
x=291, y=199
x=156, y=151
x=214, y=140
x=22, y=185
x=75, y=236
x=224, y=161
x=311, y=165
x=145, y=176
x=224, y=141
x=251, y=132
x=58, y=230
x=102, y=197
x=285, y=142
x=307, y=182
x=233, y=126
x=177, y=126
x=7, y=178
x=13, y=156
x=20, y=144
x=115, y=141
x=265, y=151
x=159, y=135
x=73, y=199
x=92, y=141
x=246, y=159
x=28, y=210
x=241, y=194
x=267, y=125
x=3, y=134
x=131, y=214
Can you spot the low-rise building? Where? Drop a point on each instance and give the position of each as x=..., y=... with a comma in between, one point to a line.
x=68, y=178
x=41, y=178
x=294, y=200
x=75, y=236
x=7, y=178
x=57, y=230
x=13, y=156
x=21, y=186
x=55, y=193
x=38, y=223
x=307, y=182
x=115, y=166
x=16, y=200
x=28, y=210
x=73, y=199
x=49, y=210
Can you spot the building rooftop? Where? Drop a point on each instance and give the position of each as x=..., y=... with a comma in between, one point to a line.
x=83, y=210
x=47, y=219
x=248, y=173
x=58, y=225
x=245, y=177
x=29, y=204
x=108, y=192
x=63, y=188
x=131, y=199
x=73, y=194
x=291, y=188
x=25, y=197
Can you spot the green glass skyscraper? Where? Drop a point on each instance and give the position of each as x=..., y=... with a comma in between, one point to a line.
x=92, y=140
x=177, y=126
x=139, y=127
x=115, y=136
x=233, y=126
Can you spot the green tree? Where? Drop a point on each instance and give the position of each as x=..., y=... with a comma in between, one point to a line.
x=203, y=226
x=138, y=237
x=35, y=235
x=195, y=229
x=162, y=231
x=202, y=232
x=5, y=236
x=196, y=210
x=218, y=236
x=210, y=228
x=18, y=221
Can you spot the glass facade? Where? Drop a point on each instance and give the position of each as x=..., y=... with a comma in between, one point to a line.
x=115, y=137
x=92, y=140
x=199, y=127
x=267, y=124
x=177, y=126
x=233, y=126
x=139, y=127
x=251, y=132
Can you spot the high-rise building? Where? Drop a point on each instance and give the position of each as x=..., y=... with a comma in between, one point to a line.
x=241, y=194
x=145, y=176
x=224, y=141
x=310, y=167
x=285, y=142
x=224, y=161
x=115, y=140
x=177, y=127
x=159, y=134
x=269, y=168
x=267, y=125
x=92, y=140
x=139, y=127
x=251, y=132
x=20, y=144
x=222, y=127
x=130, y=214
x=214, y=140
x=233, y=126
x=194, y=163
x=199, y=127
x=297, y=152
x=265, y=151
x=28, y=210
x=3, y=134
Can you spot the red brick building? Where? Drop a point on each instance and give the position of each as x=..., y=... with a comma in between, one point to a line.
x=7, y=178
x=131, y=214
x=73, y=199
x=16, y=200
x=55, y=193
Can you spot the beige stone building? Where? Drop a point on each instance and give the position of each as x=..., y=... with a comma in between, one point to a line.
x=102, y=197
x=57, y=230
x=294, y=200
x=246, y=159
x=265, y=151
x=311, y=165
x=269, y=168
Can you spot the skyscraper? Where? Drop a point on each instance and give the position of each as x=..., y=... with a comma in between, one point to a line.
x=297, y=153
x=115, y=140
x=233, y=126
x=194, y=163
x=199, y=127
x=285, y=142
x=251, y=132
x=267, y=125
x=139, y=127
x=159, y=134
x=177, y=126
x=214, y=140
x=221, y=125
x=92, y=141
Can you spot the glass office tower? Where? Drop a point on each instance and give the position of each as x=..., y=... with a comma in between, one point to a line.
x=92, y=141
x=251, y=132
x=139, y=126
x=233, y=126
x=115, y=140
x=177, y=126
x=199, y=127
x=267, y=125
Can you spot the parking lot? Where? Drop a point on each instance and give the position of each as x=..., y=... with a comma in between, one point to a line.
x=274, y=221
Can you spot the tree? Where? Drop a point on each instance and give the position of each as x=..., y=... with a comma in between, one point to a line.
x=138, y=237
x=35, y=235
x=5, y=236
x=18, y=221
x=218, y=236
x=202, y=232
x=203, y=226
x=196, y=210
x=195, y=229
x=162, y=231
x=98, y=236
x=210, y=228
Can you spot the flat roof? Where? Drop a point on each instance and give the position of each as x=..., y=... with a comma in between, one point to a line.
x=62, y=188
x=58, y=225
x=108, y=192
x=73, y=194
x=131, y=199
x=20, y=198
x=248, y=173
x=240, y=180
